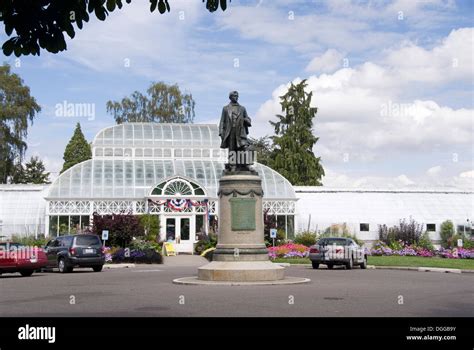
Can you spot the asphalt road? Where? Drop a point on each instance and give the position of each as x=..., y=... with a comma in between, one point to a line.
x=147, y=291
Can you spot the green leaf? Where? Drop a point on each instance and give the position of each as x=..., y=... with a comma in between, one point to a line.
x=69, y=30
x=8, y=29
x=161, y=7
x=223, y=5
x=110, y=5
x=17, y=50
x=8, y=47
x=153, y=4
x=100, y=13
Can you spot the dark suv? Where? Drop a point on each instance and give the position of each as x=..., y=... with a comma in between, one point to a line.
x=83, y=250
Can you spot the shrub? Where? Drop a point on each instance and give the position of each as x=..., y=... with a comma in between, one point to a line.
x=269, y=222
x=122, y=228
x=151, y=226
x=205, y=242
x=396, y=245
x=452, y=241
x=306, y=238
x=279, y=240
x=409, y=232
x=140, y=244
x=425, y=242
x=446, y=232
x=30, y=240
x=468, y=244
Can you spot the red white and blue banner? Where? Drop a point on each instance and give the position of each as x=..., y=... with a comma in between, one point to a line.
x=180, y=204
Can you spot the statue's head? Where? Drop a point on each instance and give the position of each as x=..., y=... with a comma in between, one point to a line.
x=234, y=96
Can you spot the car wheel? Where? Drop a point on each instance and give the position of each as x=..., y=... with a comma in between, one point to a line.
x=364, y=264
x=315, y=265
x=26, y=273
x=330, y=266
x=62, y=266
x=97, y=268
x=350, y=264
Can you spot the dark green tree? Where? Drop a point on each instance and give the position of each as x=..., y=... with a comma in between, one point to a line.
x=42, y=23
x=77, y=150
x=17, y=174
x=263, y=147
x=17, y=108
x=293, y=142
x=162, y=103
x=34, y=172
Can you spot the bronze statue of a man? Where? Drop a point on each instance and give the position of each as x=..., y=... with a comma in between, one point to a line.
x=234, y=124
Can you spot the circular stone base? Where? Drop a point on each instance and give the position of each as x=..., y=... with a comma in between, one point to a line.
x=241, y=271
x=197, y=282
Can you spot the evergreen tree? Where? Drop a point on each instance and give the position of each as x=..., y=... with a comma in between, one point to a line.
x=77, y=150
x=34, y=172
x=17, y=174
x=293, y=142
x=263, y=147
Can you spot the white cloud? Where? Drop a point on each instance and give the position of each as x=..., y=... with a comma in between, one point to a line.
x=326, y=63
x=404, y=180
x=371, y=113
x=134, y=34
x=434, y=171
x=467, y=174
x=363, y=111
x=450, y=60
x=303, y=32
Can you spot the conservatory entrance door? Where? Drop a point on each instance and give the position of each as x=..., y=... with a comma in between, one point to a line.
x=179, y=230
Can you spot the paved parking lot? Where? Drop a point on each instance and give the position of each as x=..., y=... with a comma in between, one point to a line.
x=146, y=290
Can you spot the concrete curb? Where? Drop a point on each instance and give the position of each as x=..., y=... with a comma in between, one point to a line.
x=404, y=268
x=285, y=264
x=194, y=281
x=118, y=266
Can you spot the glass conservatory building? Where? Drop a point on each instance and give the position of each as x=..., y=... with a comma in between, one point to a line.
x=170, y=170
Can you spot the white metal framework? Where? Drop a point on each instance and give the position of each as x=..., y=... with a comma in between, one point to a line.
x=134, y=163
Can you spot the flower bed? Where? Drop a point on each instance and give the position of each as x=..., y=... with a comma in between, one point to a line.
x=402, y=249
x=289, y=250
x=139, y=256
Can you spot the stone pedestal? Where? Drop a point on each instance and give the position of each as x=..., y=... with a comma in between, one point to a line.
x=241, y=254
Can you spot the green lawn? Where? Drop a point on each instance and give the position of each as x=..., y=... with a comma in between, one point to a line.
x=417, y=261
x=412, y=261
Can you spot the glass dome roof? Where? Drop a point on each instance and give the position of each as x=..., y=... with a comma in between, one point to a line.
x=158, y=135
x=129, y=159
x=135, y=178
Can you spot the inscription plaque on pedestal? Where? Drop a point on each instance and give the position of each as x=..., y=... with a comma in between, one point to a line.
x=242, y=214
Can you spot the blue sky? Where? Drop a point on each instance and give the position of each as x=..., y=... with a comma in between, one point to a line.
x=360, y=57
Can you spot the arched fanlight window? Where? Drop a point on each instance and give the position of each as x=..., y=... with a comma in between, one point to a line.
x=178, y=187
